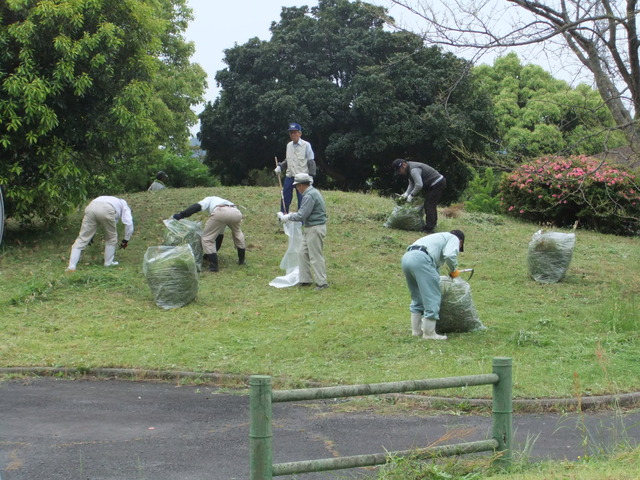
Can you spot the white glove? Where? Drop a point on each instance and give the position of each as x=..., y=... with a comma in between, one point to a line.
x=282, y=217
x=409, y=198
x=277, y=170
x=404, y=196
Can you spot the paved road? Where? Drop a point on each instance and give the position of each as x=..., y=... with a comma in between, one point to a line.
x=57, y=429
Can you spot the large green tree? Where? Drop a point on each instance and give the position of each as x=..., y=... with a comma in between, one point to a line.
x=540, y=115
x=363, y=95
x=89, y=91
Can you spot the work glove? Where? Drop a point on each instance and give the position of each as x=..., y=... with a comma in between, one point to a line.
x=282, y=217
x=176, y=216
x=277, y=170
x=409, y=198
x=455, y=273
x=124, y=243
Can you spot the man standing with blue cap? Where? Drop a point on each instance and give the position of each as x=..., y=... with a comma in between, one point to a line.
x=299, y=159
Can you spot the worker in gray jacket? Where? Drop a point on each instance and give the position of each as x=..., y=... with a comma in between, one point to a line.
x=222, y=214
x=159, y=182
x=425, y=179
x=421, y=264
x=103, y=211
x=313, y=214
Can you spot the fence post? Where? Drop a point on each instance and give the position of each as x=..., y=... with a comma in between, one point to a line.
x=503, y=409
x=260, y=448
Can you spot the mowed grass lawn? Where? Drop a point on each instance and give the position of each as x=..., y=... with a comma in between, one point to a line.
x=579, y=337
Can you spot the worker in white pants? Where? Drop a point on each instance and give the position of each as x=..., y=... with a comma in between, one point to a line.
x=103, y=211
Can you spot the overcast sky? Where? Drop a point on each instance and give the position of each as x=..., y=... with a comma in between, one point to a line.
x=220, y=24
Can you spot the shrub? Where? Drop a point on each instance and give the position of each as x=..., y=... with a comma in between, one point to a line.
x=561, y=190
x=482, y=194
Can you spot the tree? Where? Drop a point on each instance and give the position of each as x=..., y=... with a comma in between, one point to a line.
x=363, y=96
x=602, y=35
x=539, y=115
x=89, y=89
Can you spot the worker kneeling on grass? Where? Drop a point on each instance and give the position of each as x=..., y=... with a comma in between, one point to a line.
x=420, y=265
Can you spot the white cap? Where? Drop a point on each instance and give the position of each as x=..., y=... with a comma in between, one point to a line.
x=302, y=178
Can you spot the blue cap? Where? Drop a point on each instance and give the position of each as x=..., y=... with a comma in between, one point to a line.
x=295, y=126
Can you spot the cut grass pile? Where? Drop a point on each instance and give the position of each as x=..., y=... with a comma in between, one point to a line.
x=579, y=337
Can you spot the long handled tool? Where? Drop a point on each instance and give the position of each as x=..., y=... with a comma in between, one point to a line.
x=284, y=209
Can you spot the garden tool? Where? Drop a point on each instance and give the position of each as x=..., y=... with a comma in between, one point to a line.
x=281, y=191
x=466, y=270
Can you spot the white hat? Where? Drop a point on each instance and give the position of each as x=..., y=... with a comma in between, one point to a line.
x=302, y=178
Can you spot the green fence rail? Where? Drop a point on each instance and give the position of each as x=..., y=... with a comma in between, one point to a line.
x=262, y=397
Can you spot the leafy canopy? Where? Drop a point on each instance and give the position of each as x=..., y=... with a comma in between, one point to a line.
x=88, y=91
x=363, y=95
x=540, y=115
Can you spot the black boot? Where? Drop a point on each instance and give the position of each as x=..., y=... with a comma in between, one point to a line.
x=241, y=252
x=213, y=262
x=219, y=239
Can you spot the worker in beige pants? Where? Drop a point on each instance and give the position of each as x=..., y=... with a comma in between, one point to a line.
x=103, y=212
x=222, y=214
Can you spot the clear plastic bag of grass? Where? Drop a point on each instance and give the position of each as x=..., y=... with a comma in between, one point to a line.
x=549, y=255
x=185, y=232
x=406, y=216
x=171, y=274
x=457, y=311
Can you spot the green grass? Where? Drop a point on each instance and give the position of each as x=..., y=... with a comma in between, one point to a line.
x=623, y=465
x=574, y=338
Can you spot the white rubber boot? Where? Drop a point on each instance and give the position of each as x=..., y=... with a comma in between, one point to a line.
x=74, y=259
x=415, y=324
x=109, y=255
x=429, y=330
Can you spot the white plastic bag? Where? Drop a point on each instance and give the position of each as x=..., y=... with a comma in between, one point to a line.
x=171, y=274
x=457, y=310
x=290, y=262
x=549, y=255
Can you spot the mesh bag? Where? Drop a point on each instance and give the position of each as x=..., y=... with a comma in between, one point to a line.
x=406, y=217
x=549, y=255
x=171, y=274
x=457, y=311
x=185, y=232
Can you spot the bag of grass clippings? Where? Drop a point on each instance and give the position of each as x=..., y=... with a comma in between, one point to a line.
x=406, y=217
x=457, y=311
x=549, y=255
x=171, y=274
x=185, y=232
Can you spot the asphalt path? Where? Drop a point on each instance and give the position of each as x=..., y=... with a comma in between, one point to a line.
x=60, y=429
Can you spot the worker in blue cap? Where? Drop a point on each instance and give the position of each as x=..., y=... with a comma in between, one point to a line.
x=300, y=159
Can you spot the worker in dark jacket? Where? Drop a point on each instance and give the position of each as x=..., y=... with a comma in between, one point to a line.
x=425, y=179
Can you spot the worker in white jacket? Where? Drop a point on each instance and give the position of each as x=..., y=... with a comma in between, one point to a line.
x=103, y=211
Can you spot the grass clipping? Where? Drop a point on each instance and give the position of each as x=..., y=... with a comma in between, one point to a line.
x=185, y=232
x=405, y=216
x=457, y=311
x=172, y=275
x=549, y=255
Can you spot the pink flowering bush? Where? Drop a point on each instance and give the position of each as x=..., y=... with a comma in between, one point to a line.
x=561, y=190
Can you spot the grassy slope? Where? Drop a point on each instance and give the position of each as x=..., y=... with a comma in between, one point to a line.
x=578, y=337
